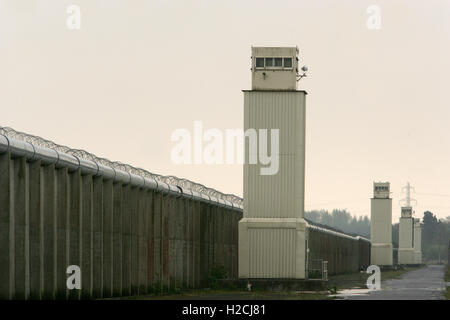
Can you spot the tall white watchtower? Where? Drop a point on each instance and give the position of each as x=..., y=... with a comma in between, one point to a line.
x=381, y=225
x=417, y=242
x=272, y=232
x=406, y=231
x=406, y=240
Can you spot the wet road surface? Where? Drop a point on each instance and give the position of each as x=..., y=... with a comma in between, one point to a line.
x=426, y=283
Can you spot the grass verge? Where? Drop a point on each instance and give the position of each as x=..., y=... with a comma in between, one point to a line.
x=218, y=294
x=336, y=283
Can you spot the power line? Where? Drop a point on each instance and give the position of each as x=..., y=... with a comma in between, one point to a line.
x=433, y=194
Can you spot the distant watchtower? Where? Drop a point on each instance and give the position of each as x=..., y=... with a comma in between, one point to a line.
x=272, y=232
x=417, y=242
x=381, y=190
x=406, y=231
x=406, y=212
x=406, y=240
x=274, y=68
x=381, y=225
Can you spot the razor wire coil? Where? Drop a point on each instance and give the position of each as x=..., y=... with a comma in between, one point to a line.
x=170, y=180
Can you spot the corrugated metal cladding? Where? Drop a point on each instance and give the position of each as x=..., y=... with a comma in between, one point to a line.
x=381, y=220
x=406, y=233
x=280, y=195
x=272, y=253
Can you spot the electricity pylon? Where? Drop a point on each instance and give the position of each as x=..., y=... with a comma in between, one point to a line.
x=408, y=198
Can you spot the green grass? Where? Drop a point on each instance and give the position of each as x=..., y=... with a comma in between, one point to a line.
x=217, y=294
x=338, y=282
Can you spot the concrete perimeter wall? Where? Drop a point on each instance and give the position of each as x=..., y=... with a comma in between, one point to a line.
x=127, y=240
x=344, y=253
x=129, y=235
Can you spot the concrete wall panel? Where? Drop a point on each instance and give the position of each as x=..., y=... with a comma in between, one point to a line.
x=108, y=231
x=157, y=240
x=117, y=239
x=21, y=274
x=97, y=238
x=150, y=238
x=74, y=221
x=87, y=237
x=134, y=235
x=165, y=243
x=62, y=230
x=142, y=272
x=6, y=227
x=50, y=231
x=127, y=210
x=35, y=217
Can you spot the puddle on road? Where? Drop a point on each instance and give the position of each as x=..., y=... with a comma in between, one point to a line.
x=351, y=292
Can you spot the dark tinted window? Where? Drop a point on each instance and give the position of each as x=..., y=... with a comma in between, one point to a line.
x=278, y=62
x=260, y=62
x=269, y=62
x=288, y=62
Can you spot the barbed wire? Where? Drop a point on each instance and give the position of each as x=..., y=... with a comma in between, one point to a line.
x=172, y=180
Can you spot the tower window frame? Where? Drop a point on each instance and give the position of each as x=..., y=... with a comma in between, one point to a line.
x=278, y=63
x=272, y=63
x=258, y=60
x=284, y=62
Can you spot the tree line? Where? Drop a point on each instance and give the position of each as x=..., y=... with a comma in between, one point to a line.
x=342, y=220
x=435, y=237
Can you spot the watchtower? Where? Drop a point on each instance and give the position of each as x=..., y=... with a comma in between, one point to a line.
x=272, y=232
x=381, y=225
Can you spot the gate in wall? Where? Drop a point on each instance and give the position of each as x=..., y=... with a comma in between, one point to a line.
x=317, y=269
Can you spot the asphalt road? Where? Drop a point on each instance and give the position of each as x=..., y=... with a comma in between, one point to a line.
x=426, y=283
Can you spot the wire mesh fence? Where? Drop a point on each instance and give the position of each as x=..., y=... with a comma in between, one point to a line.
x=317, y=269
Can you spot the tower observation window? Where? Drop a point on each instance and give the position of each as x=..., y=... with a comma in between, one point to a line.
x=288, y=62
x=273, y=62
x=260, y=62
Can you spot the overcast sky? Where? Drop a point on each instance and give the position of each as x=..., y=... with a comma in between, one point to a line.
x=377, y=108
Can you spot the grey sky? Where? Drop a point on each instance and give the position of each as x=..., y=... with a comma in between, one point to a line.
x=377, y=109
